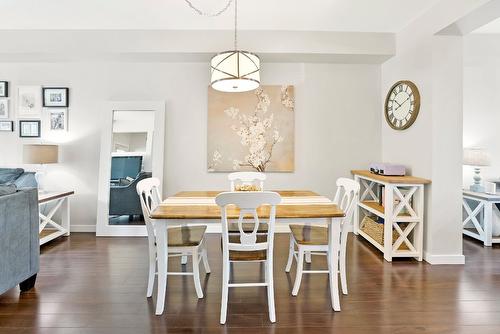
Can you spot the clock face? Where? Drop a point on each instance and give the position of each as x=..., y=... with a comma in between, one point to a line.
x=402, y=105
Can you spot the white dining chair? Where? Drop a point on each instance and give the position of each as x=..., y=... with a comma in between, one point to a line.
x=247, y=247
x=311, y=239
x=246, y=177
x=182, y=240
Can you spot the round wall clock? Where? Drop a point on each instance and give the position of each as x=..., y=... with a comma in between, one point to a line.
x=402, y=105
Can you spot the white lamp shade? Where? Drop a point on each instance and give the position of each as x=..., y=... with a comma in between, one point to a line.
x=476, y=157
x=40, y=154
x=235, y=71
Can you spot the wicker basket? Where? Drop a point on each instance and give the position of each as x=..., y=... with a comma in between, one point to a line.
x=376, y=232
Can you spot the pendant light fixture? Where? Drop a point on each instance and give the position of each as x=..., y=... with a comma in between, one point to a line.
x=235, y=70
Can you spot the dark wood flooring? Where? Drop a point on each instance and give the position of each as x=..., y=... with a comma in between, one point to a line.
x=97, y=285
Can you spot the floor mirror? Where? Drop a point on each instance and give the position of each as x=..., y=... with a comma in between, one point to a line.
x=132, y=143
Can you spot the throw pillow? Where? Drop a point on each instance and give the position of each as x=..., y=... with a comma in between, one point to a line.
x=8, y=175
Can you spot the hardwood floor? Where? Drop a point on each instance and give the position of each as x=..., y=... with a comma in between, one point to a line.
x=98, y=285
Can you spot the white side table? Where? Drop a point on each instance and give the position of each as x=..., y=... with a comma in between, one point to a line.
x=478, y=216
x=51, y=228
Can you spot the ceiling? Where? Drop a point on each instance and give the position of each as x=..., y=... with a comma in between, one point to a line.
x=304, y=15
x=491, y=28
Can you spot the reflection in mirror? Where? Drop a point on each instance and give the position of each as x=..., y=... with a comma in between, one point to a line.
x=130, y=162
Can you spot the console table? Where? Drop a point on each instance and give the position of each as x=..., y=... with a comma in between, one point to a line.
x=50, y=229
x=398, y=204
x=478, y=216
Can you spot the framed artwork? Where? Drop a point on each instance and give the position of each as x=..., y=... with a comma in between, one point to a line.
x=58, y=119
x=4, y=89
x=54, y=97
x=29, y=102
x=6, y=126
x=29, y=129
x=4, y=108
x=251, y=131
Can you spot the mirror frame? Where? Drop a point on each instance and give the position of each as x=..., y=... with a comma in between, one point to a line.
x=158, y=107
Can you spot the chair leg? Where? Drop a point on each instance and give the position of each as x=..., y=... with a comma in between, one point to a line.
x=152, y=272
x=308, y=257
x=196, y=273
x=298, y=275
x=205, y=259
x=290, y=255
x=225, y=288
x=343, y=274
x=270, y=290
x=184, y=259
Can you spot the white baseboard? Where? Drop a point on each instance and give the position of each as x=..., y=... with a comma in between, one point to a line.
x=82, y=228
x=444, y=259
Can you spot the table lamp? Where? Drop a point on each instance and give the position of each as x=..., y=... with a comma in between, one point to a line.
x=476, y=157
x=40, y=155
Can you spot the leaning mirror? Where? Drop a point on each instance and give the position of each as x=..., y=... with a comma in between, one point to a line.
x=131, y=150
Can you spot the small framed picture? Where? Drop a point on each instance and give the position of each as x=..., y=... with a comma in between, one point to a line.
x=4, y=108
x=58, y=119
x=54, y=97
x=4, y=89
x=29, y=102
x=6, y=126
x=29, y=129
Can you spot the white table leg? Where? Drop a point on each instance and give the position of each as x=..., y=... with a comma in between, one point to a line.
x=356, y=211
x=488, y=223
x=333, y=262
x=389, y=198
x=65, y=216
x=162, y=258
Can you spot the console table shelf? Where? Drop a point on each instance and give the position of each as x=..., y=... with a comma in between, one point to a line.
x=401, y=208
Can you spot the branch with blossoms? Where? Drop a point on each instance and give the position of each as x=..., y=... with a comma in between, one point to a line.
x=256, y=132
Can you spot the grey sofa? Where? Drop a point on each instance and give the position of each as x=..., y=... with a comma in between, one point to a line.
x=19, y=240
x=123, y=199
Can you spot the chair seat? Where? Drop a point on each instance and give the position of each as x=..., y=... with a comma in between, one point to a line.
x=259, y=255
x=185, y=236
x=310, y=234
x=247, y=227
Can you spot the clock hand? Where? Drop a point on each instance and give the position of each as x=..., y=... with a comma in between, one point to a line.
x=400, y=105
x=397, y=103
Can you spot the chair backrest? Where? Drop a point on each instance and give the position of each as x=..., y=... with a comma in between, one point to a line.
x=346, y=197
x=149, y=194
x=247, y=177
x=248, y=203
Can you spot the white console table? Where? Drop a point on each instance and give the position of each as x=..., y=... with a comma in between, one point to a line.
x=50, y=229
x=401, y=208
x=478, y=216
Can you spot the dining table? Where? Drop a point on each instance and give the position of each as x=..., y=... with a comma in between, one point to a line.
x=199, y=207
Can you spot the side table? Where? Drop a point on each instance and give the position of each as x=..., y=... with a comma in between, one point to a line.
x=61, y=203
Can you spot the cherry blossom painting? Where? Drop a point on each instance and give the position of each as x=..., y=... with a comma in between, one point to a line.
x=251, y=131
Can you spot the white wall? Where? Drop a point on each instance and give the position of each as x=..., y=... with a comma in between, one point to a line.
x=482, y=101
x=432, y=147
x=337, y=122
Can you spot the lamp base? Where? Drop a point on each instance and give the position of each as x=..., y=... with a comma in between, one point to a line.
x=477, y=188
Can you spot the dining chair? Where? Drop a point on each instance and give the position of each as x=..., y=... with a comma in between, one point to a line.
x=182, y=240
x=311, y=239
x=247, y=247
x=246, y=177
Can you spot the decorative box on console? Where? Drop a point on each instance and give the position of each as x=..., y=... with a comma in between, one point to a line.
x=387, y=169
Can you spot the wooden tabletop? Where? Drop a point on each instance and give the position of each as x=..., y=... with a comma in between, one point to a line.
x=483, y=196
x=201, y=205
x=407, y=179
x=52, y=195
